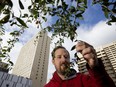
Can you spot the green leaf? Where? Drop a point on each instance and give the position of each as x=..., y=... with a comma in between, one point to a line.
x=106, y=13
x=36, y=1
x=114, y=10
x=109, y=23
x=72, y=38
x=113, y=18
x=85, y=2
x=29, y=21
x=8, y=49
x=7, y=11
x=21, y=5
x=73, y=47
x=64, y=5
x=44, y=18
x=59, y=7
x=1, y=39
x=81, y=18
x=15, y=33
x=57, y=2
x=2, y=55
x=29, y=7
x=72, y=9
x=49, y=1
x=10, y=3
x=25, y=15
x=5, y=19
x=4, y=50
x=10, y=62
x=79, y=1
x=81, y=8
x=49, y=28
x=1, y=7
x=21, y=22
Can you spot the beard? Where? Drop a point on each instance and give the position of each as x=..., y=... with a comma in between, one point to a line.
x=63, y=68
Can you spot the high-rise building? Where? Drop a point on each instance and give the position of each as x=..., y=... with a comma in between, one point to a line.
x=33, y=59
x=10, y=80
x=107, y=53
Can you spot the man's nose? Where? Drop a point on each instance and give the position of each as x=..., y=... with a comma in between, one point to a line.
x=63, y=59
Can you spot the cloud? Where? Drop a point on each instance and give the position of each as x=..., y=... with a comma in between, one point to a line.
x=29, y=33
x=15, y=52
x=99, y=34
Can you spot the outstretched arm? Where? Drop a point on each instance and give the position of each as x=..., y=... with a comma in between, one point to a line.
x=94, y=65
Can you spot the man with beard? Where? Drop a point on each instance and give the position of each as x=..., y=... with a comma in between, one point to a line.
x=66, y=77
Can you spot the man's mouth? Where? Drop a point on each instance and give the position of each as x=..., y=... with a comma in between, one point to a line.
x=64, y=66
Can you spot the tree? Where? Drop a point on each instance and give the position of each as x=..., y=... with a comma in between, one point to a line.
x=67, y=16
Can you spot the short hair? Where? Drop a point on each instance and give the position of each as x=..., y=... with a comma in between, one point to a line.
x=56, y=48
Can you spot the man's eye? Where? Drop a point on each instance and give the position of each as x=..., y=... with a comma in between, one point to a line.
x=66, y=57
x=59, y=57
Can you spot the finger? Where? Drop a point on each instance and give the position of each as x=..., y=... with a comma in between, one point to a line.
x=89, y=50
x=81, y=45
x=89, y=56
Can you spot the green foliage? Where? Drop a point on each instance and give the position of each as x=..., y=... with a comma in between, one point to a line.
x=5, y=19
x=21, y=22
x=66, y=18
x=73, y=47
x=21, y=5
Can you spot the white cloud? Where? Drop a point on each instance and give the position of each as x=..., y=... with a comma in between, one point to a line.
x=15, y=52
x=99, y=34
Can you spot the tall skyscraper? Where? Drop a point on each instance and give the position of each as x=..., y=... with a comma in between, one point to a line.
x=107, y=53
x=33, y=59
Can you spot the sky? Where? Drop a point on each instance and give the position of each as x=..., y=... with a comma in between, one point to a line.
x=93, y=30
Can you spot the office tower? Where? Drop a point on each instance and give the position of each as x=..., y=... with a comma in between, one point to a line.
x=10, y=80
x=33, y=59
x=107, y=53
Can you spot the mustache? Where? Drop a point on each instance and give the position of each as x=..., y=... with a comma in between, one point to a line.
x=65, y=64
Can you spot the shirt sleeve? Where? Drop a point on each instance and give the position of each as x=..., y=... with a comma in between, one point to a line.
x=100, y=76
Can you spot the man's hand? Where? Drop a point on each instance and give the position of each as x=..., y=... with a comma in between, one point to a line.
x=88, y=53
